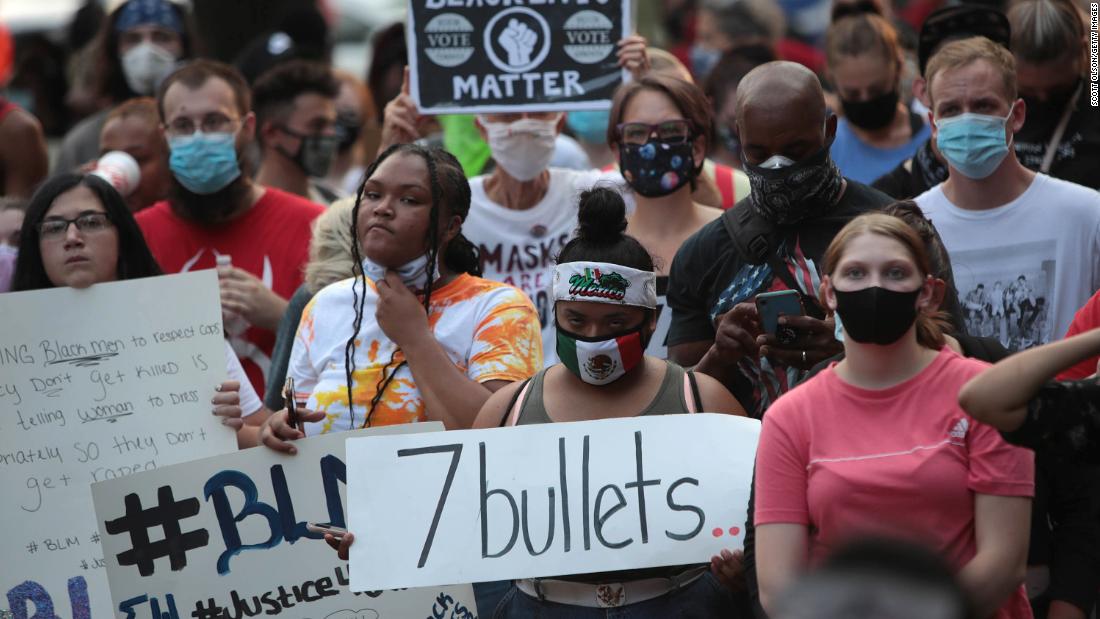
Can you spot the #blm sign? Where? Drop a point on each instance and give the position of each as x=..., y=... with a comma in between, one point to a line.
x=226, y=537
x=96, y=384
x=547, y=500
x=490, y=56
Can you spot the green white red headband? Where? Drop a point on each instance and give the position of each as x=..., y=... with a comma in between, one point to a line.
x=603, y=282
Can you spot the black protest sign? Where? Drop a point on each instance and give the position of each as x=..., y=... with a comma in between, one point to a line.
x=504, y=55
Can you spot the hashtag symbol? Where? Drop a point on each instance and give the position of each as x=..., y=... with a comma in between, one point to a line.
x=94, y=538
x=32, y=548
x=167, y=515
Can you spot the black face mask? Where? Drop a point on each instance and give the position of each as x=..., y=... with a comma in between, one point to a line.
x=315, y=152
x=871, y=114
x=1049, y=112
x=876, y=315
x=789, y=195
x=657, y=168
x=348, y=129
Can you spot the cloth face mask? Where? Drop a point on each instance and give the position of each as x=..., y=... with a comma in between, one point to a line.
x=414, y=274
x=657, y=168
x=522, y=148
x=877, y=315
x=601, y=361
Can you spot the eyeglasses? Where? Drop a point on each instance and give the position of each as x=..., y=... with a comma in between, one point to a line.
x=672, y=131
x=88, y=223
x=211, y=123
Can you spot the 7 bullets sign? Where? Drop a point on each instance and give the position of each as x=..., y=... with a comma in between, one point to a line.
x=226, y=537
x=492, y=56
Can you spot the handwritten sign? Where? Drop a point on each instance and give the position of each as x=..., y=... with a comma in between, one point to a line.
x=96, y=384
x=547, y=500
x=229, y=539
x=469, y=57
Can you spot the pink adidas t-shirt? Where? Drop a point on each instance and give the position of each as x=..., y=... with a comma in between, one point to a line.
x=904, y=462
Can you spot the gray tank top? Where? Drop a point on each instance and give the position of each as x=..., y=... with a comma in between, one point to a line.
x=670, y=398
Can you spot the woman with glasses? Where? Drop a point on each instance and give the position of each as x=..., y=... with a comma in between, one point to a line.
x=78, y=232
x=660, y=126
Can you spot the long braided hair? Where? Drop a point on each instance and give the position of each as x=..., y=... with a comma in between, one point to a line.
x=449, y=187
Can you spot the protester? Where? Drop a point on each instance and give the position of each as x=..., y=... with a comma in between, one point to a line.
x=1061, y=134
x=948, y=481
x=926, y=168
x=877, y=132
x=134, y=128
x=999, y=220
x=295, y=105
x=138, y=45
x=660, y=127
x=428, y=339
x=261, y=234
x=590, y=327
x=23, y=158
x=1019, y=397
x=798, y=202
x=78, y=232
x=329, y=262
x=721, y=89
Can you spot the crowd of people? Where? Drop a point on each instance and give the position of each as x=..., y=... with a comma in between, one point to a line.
x=919, y=179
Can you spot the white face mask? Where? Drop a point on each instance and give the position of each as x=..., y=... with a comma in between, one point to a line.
x=522, y=148
x=145, y=66
x=414, y=274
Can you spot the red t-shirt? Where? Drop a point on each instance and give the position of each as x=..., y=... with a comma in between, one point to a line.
x=270, y=241
x=904, y=462
x=1086, y=319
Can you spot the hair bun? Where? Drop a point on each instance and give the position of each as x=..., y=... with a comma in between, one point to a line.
x=602, y=216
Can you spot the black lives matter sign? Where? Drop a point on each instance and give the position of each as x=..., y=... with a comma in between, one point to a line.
x=511, y=55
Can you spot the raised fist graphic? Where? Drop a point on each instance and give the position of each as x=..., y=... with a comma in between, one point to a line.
x=519, y=41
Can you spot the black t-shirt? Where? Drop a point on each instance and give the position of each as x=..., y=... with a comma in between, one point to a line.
x=708, y=276
x=1078, y=156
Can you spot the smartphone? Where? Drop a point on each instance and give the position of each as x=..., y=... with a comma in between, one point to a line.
x=291, y=404
x=771, y=305
x=324, y=527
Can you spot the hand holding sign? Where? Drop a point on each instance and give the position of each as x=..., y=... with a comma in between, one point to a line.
x=632, y=55
x=400, y=120
x=276, y=432
x=519, y=41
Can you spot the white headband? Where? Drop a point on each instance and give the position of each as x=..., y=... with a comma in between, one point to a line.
x=602, y=282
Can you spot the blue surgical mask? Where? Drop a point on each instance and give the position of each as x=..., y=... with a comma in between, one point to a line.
x=204, y=163
x=973, y=144
x=590, y=126
x=703, y=60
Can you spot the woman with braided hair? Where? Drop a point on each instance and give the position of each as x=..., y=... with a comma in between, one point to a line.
x=415, y=334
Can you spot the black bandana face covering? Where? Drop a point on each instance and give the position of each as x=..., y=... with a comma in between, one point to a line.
x=789, y=195
x=876, y=315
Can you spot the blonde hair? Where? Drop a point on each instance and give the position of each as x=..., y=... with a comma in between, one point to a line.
x=958, y=54
x=1046, y=30
x=864, y=33
x=330, y=248
x=931, y=326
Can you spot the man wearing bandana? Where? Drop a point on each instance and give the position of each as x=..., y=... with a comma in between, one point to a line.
x=803, y=201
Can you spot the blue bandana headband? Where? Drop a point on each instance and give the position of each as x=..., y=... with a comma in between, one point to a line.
x=144, y=12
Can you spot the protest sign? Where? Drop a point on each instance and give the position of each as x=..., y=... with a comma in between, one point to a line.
x=96, y=384
x=547, y=500
x=475, y=56
x=235, y=542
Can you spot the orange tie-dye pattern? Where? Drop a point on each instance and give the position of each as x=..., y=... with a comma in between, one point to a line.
x=400, y=403
x=511, y=330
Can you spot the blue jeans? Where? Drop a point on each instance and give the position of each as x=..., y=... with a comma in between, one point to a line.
x=703, y=599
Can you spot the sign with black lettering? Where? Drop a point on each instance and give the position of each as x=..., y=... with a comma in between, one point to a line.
x=96, y=384
x=226, y=537
x=470, y=56
x=547, y=500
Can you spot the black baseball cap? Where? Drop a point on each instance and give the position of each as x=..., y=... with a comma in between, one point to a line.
x=959, y=22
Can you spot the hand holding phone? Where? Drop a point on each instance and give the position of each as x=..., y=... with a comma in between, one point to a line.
x=771, y=305
x=324, y=527
x=291, y=405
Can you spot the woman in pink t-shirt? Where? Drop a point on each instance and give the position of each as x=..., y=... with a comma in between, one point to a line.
x=877, y=444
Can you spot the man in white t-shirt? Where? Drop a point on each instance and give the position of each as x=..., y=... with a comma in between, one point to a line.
x=1000, y=221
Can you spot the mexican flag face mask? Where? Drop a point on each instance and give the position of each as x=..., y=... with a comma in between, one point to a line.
x=601, y=361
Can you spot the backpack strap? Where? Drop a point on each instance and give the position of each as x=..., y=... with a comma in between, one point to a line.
x=753, y=238
x=691, y=392
x=511, y=414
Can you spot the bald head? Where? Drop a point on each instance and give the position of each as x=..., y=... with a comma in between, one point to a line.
x=781, y=111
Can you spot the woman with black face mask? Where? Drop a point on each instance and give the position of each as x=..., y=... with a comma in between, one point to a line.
x=661, y=127
x=876, y=131
x=877, y=443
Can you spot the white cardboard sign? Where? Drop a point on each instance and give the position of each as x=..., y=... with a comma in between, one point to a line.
x=237, y=540
x=96, y=384
x=547, y=500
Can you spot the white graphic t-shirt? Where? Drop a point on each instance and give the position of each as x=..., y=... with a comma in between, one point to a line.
x=519, y=247
x=1022, y=269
